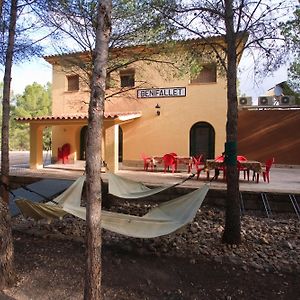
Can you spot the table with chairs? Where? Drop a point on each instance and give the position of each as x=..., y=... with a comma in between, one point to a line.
x=169, y=161
x=198, y=164
x=243, y=164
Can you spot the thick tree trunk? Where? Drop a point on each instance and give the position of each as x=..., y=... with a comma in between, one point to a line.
x=94, y=155
x=6, y=245
x=7, y=275
x=1, y=9
x=232, y=231
x=6, y=102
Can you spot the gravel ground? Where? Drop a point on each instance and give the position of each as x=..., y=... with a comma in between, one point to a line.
x=265, y=266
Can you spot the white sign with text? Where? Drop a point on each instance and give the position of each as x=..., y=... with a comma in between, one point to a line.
x=161, y=92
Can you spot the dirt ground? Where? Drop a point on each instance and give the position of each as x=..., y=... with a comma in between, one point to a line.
x=52, y=268
x=189, y=264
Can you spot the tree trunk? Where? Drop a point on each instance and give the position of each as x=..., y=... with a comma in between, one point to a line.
x=7, y=275
x=6, y=102
x=6, y=246
x=1, y=9
x=232, y=231
x=94, y=156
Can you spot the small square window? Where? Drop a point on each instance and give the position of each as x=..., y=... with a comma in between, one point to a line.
x=73, y=83
x=127, y=78
x=207, y=74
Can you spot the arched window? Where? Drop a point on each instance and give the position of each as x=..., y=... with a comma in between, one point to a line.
x=202, y=140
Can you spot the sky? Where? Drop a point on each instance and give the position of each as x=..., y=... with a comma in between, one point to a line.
x=38, y=70
x=255, y=87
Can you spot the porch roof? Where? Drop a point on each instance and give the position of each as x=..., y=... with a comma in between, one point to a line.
x=120, y=116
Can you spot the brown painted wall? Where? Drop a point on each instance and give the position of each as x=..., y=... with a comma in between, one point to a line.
x=263, y=134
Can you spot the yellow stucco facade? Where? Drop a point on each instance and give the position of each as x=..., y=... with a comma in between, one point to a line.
x=198, y=116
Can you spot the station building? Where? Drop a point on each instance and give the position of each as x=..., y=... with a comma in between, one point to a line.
x=149, y=108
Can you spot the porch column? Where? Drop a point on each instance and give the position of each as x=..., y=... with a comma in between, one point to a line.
x=112, y=147
x=36, y=146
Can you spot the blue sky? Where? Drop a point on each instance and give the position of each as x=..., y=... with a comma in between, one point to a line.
x=37, y=70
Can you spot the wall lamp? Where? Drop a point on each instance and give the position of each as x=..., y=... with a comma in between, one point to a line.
x=157, y=109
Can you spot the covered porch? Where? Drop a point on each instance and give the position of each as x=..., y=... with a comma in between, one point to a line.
x=71, y=129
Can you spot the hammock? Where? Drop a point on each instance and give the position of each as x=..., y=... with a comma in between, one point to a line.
x=161, y=220
x=130, y=189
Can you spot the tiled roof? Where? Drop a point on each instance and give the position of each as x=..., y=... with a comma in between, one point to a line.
x=107, y=115
x=54, y=118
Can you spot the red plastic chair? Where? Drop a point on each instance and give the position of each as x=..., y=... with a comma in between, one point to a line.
x=265, y=171
x=241, y=158
x=148, y=162
x=220, y=168
x=169, y=161
x=246, y=171
x=173, y=153
x=199, y=164
x=194, y=161
x=63, y=153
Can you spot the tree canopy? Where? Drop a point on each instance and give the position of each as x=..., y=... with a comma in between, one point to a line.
x=133, y=23
x=29, y=32
x=35, y=101
x=291, y=31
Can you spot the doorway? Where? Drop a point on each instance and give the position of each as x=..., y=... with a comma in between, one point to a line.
x=202, y=140
x=83, y=136
x=120, y=144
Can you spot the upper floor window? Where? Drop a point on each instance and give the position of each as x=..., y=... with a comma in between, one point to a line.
x=127, y=78
x=207, y=74
x=73, y=83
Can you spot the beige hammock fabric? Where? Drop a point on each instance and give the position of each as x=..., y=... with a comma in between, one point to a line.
x=130, y=189
x=52, y=209
x=161, y=220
